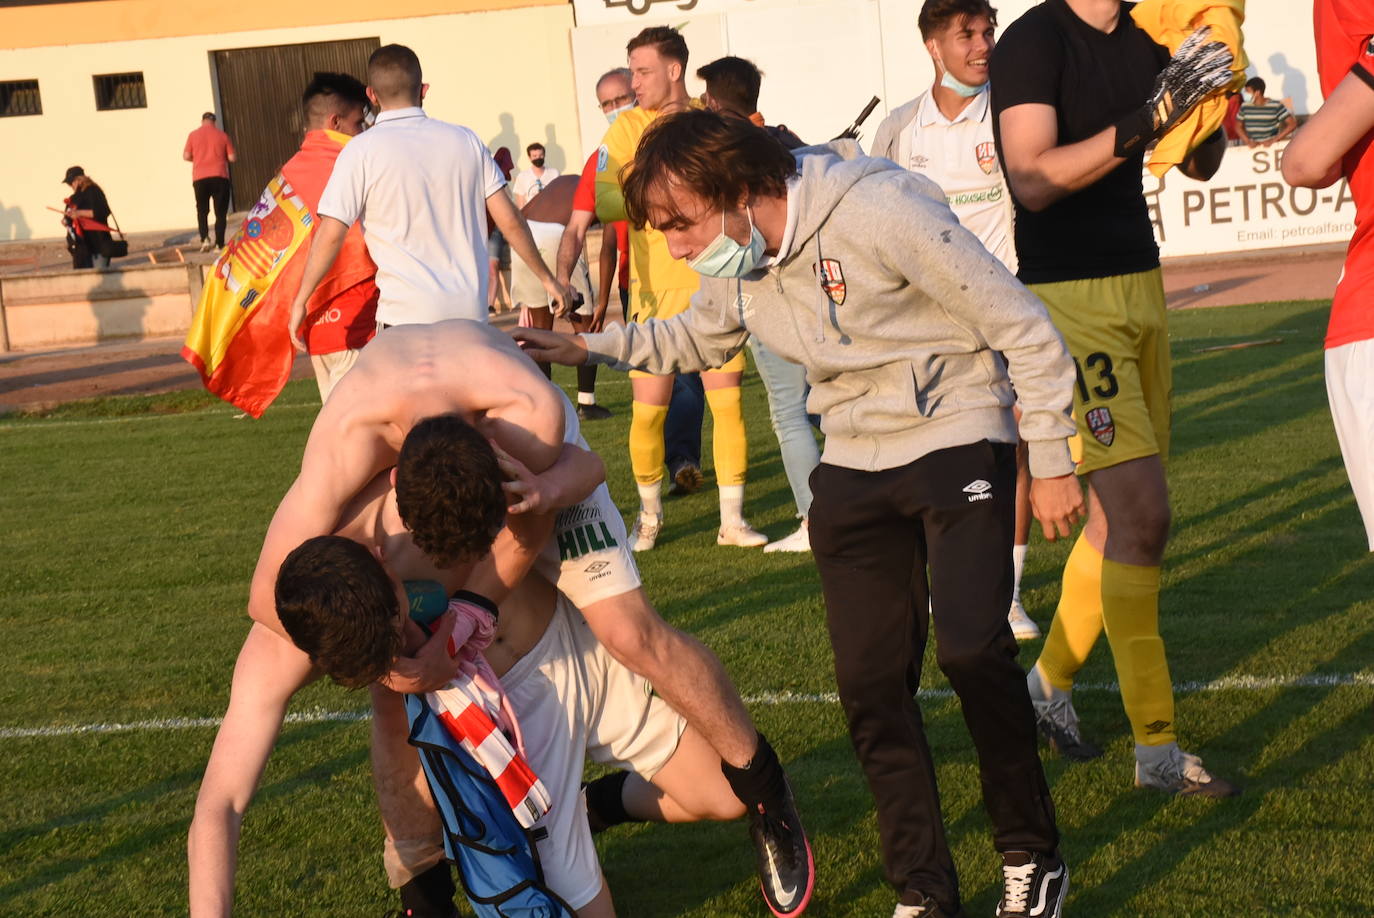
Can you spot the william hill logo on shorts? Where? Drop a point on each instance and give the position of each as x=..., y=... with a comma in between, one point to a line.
x=584, y=538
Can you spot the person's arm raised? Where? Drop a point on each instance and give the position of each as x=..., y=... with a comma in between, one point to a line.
x=268, y=672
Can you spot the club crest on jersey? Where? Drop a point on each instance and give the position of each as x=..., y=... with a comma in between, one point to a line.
x=1100, y=423
x=987, y=157
x=832, y=280
x=603, y=156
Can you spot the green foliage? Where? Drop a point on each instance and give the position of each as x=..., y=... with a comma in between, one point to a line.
x=132, y=527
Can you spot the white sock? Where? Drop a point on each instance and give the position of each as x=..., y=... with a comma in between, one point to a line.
x=650, y=499
x=1039, y=686
x=731, y=505
x=1018, y=564
x=1153, y=755
x=586, y=398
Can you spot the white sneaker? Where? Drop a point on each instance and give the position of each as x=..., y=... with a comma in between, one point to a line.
x=1170, y=769
x=1022, y=626
x=205, y=245
x=797, y=541
x=741, y=534
x=645, y=532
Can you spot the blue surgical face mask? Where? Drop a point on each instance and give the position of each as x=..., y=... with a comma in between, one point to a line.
x=725, y=257
x=950, y=81
x=615, y=112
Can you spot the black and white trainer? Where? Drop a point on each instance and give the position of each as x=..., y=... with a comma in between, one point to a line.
x=787, y=871
x=925, y=908
x=1033, y=885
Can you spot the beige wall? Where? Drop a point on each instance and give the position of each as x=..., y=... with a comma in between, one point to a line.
x=507, y=74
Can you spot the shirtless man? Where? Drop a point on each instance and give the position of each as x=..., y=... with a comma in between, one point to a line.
x=559, y=680
x=409, y=373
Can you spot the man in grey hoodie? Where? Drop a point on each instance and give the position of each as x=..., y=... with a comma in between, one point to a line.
x=857, y=270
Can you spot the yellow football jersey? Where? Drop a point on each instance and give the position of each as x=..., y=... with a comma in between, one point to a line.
x=660, y=285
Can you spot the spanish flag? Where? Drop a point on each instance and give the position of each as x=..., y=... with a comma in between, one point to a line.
x=238, y=339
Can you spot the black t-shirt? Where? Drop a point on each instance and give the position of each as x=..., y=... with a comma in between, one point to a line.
x=93, y=199
x=1093, y=79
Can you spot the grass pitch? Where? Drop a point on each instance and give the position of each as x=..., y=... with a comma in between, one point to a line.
x=131, y=527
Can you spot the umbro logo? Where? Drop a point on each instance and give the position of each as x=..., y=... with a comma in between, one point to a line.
x=1158, y=726
x=596, y=566
x=978, y=490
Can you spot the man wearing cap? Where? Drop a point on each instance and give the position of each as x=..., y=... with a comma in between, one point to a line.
x=210, y=151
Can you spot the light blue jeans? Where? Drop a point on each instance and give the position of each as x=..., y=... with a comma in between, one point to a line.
x=785, y=383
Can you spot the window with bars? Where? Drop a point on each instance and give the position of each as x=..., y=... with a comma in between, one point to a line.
x=119, y=90
x=19, y=97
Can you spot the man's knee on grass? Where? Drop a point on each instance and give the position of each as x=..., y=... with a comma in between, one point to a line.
x=341, y=608
x=448, y=490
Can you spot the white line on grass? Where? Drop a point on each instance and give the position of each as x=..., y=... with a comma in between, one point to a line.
x=318, y=715
x=41, y=424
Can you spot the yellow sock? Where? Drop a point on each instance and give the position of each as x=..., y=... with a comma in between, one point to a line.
x=729, y=444
x=646, y=441
x=1130, y=609
x=1078, y=620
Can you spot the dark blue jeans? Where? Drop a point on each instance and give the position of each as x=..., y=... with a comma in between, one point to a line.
x=682, y=430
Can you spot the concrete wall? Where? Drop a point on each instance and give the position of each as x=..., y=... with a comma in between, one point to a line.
x=504, y=73
x=71, y=308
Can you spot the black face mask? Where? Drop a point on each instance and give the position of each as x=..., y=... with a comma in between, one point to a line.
x=537, y=162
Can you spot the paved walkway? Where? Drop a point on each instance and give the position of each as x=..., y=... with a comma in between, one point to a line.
x=35, y=380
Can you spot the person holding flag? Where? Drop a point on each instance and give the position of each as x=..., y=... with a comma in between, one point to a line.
x=239, y=339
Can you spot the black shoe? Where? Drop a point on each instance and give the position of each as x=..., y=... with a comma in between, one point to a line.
x=687, y=479
x=1058, y=725
x=429, y=894
x=786, y=868
x=593, y=412
x=1033, y=885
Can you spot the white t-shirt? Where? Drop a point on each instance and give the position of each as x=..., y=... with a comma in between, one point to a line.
x=527, y=184
x=961, y=157
x=420, y=187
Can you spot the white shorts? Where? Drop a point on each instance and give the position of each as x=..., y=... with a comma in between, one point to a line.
x=330, y=368
x=525, y=289
x=588, y=556
x=571, y=696
x=1350, y=390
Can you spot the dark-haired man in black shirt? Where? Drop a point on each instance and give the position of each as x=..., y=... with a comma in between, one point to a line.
x=1079, y=92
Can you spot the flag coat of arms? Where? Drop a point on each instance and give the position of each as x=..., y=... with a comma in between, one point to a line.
x=238, y=340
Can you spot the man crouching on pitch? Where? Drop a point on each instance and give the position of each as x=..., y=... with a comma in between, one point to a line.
x=857, y=270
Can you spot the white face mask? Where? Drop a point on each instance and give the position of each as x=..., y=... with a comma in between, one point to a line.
x=1247, y=97
x=616, y=112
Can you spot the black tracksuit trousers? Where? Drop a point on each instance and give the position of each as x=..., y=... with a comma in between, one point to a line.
x=874, y=535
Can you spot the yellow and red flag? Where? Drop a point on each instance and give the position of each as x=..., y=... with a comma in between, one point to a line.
x=238, y=340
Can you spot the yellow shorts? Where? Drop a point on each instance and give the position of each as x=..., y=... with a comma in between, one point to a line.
x=1116, y=330
x=664, y=304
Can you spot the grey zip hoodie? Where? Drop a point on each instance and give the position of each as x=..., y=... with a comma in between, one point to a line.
x=896, y=312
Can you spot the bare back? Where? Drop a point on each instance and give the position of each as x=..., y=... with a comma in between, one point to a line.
x=404, y=375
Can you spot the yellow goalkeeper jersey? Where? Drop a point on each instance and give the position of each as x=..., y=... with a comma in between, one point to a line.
x=660, y=285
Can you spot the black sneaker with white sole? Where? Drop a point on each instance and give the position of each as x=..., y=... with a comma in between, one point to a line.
x=786, y=868
x=1033, y=885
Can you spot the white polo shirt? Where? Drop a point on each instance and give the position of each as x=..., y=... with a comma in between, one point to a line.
x=961, y=157
x=420, y=187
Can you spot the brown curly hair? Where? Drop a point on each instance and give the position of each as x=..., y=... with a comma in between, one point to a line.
x=448, y=490
x=338, y=605
x=714, y=157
